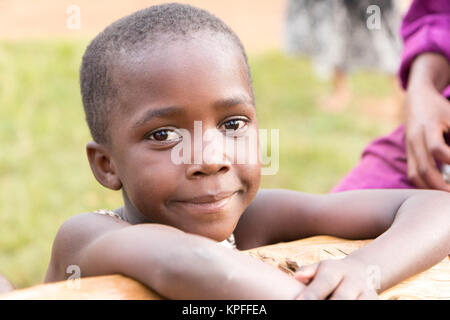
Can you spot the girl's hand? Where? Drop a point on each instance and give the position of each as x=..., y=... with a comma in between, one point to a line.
x=345, y=279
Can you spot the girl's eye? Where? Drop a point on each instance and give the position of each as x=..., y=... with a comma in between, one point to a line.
x=164, y=135
x=235, y=124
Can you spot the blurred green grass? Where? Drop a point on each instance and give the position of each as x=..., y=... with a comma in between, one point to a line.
x=45, y=177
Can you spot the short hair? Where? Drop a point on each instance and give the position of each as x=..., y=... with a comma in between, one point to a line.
x=132, y=34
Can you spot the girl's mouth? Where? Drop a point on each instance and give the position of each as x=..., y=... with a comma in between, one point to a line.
x=205, y=204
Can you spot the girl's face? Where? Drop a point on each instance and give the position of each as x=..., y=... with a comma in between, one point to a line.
x=168, y=101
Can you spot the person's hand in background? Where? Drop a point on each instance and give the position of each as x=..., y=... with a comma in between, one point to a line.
x=427, y=120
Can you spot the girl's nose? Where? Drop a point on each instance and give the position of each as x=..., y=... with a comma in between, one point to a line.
x=213, y=159
x=206, y=169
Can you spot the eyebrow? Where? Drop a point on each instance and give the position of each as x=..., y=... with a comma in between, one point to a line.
x=158, y=113
x=233, y=101
x=171, y=111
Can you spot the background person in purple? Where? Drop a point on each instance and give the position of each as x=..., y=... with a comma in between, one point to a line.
x=412, y=155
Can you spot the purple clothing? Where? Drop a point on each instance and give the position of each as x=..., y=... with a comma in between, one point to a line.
x=382, y=166
x=425, y=28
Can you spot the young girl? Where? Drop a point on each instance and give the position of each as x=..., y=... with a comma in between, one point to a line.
x=147, y=81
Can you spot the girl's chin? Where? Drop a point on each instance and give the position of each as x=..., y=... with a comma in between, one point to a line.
x=219, y=231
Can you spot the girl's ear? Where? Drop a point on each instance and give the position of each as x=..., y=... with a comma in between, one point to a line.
x=103, y=166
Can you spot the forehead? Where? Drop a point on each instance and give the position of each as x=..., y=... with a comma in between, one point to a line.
x=181, y=72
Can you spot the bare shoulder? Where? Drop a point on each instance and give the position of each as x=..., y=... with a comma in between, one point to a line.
x=75, y=234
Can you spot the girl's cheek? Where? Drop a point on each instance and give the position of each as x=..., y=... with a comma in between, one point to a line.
x=251, y=177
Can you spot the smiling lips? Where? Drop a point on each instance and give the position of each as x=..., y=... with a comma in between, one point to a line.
x=207, y=204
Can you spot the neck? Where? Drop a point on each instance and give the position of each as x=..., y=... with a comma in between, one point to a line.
x=130, y=213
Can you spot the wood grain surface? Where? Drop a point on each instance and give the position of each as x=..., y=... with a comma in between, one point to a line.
x=433, y=283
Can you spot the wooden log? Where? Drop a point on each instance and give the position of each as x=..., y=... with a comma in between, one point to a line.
x=433, y=283
x=111, y=287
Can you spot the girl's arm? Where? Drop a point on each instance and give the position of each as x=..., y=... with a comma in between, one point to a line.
x=412, y=226
x=418, y=238
x=175, y=264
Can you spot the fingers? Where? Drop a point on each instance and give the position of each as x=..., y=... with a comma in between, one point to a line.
x=437, y=146
x=305, y=273
x=323, y=284
x=422, y=169
x=429, y=172
x=346, y=291
x=413, y=175
x=427, y=119
x=334, y=280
